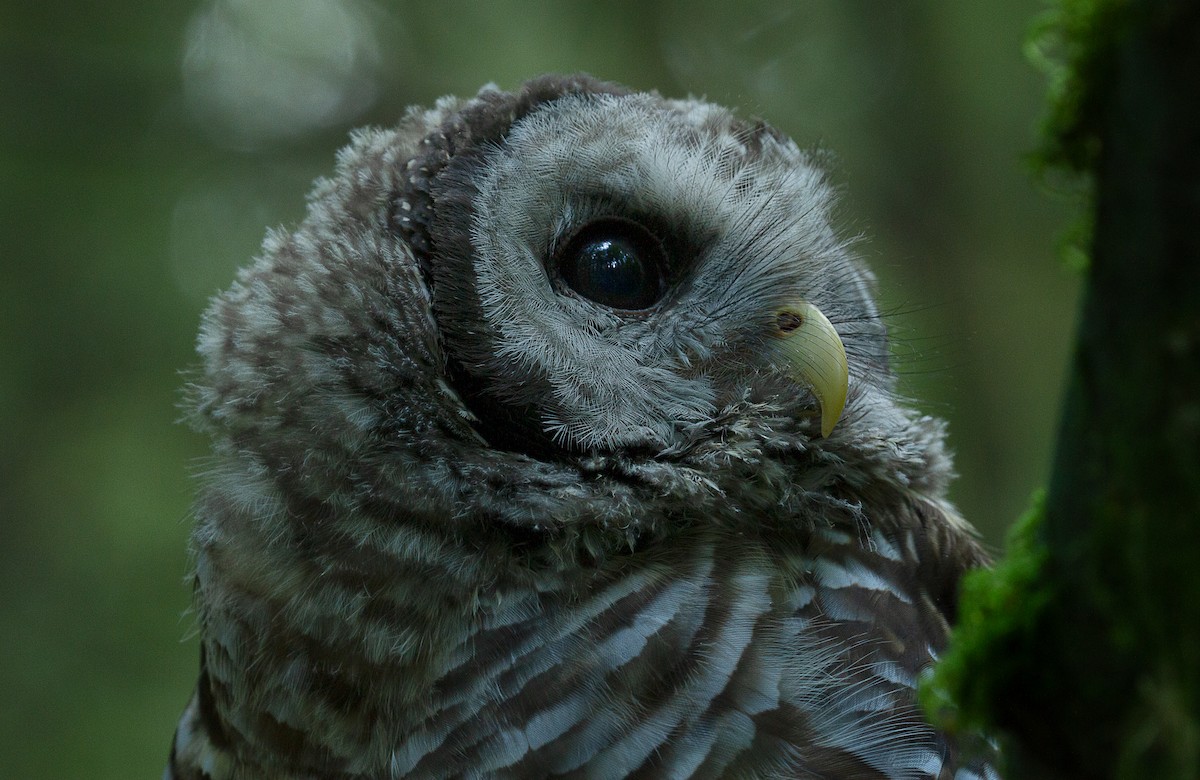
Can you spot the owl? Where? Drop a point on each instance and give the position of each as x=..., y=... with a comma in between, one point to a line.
x=560, y=440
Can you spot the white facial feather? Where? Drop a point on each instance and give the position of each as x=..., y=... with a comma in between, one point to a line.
x=761, y=226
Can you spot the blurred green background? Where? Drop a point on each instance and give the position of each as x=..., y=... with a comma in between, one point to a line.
x=144, y=148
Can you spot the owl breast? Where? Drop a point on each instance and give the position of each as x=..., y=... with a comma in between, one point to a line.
x=732, y=661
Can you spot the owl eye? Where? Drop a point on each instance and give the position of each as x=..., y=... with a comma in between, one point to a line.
x=616, y=263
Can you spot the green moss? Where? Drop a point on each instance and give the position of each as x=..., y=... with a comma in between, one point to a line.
x=1072, y=45
x=999, y=611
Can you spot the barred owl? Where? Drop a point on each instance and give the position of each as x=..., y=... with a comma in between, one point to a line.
x=560, y=439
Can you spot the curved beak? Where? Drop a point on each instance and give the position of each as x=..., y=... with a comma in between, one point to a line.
x=813, y=355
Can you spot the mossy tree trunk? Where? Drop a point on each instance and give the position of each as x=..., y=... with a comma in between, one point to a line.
x=1083, y=649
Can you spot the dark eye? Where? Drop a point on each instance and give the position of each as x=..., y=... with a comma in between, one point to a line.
x=615, y=262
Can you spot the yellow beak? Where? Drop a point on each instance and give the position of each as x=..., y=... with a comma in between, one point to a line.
x=813, y=354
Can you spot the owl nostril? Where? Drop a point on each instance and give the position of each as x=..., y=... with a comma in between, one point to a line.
x=788, y=321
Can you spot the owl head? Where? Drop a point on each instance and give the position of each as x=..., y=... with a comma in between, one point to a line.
x=541, y=302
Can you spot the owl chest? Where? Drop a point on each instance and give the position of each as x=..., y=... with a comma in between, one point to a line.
x=729, y=665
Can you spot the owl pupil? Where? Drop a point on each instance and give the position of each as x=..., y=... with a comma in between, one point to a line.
x=615, y=263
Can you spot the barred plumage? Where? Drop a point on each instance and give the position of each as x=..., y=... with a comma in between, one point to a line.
x=463, y=521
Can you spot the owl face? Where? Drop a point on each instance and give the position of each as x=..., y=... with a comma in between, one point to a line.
x=611, y=271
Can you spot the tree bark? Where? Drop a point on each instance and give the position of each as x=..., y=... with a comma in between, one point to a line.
x=1096, y=673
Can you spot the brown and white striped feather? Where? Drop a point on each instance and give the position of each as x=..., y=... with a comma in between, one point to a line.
x=732, y=656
